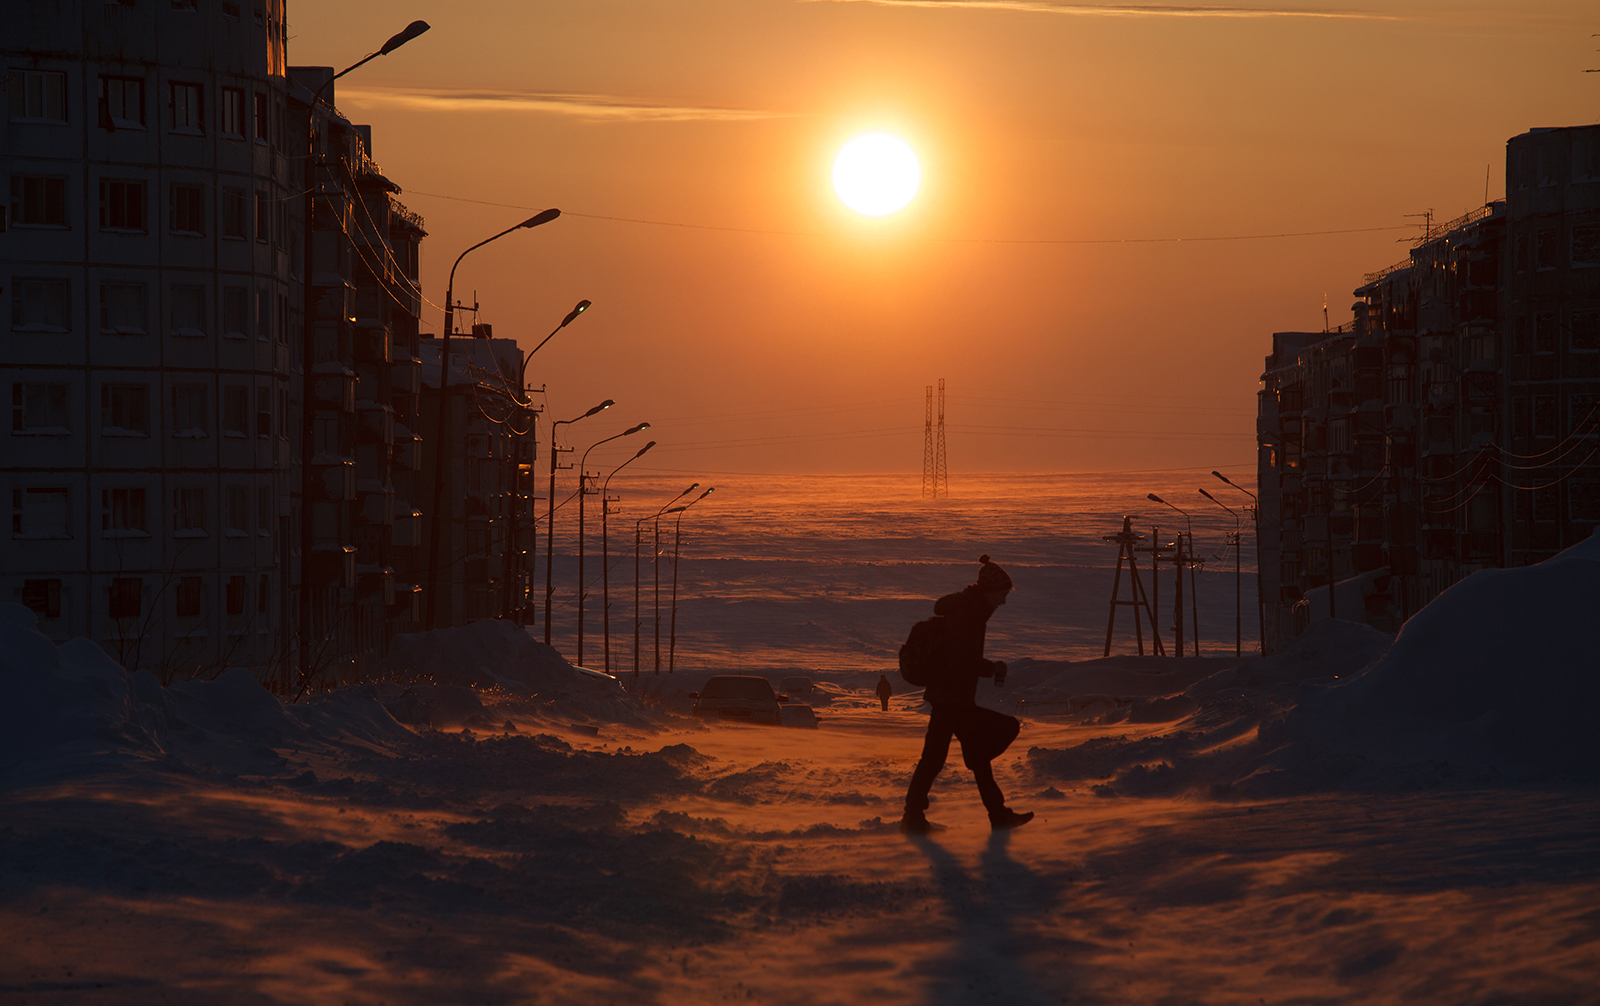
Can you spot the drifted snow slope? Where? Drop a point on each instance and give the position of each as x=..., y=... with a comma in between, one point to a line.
x=1499, y=675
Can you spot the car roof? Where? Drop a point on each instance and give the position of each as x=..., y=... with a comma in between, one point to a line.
x=737, y=677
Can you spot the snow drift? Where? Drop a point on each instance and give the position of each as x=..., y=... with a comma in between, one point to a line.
x=71, y=708
x=1495, y=682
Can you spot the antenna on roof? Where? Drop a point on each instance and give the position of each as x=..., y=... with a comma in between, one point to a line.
x=1324, y=312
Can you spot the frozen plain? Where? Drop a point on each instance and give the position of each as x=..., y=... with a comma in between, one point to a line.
x=1420, y=828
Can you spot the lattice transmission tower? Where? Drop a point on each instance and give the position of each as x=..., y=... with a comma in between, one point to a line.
x=941, y=470
x=927, y=446
x=935, y=470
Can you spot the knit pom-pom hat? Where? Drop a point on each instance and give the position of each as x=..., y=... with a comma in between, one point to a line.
x=991, y=577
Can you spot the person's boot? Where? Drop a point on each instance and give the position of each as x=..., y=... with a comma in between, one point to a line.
x=1005, y=817
x=915, y=822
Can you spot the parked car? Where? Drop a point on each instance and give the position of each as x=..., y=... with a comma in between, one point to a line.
x=797, y=714
x=798, y=689
x=743, y=697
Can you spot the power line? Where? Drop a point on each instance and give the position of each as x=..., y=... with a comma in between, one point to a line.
x=947, y=240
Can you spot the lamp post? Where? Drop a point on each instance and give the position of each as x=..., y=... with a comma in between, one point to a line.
x=605, y=552
x=638, y=534
x=1238, y=591
x=1254, y=507
x=1194, y=604
x=582, y=493
x=441, y=449
x=550, y=514
x=677, y=540
x=308, y=354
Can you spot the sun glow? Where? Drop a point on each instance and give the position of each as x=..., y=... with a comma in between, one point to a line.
x=876, y=174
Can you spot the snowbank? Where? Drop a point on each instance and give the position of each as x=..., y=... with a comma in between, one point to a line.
x=1497, y=679
x=71, y=708
x=493, y=653
x=1494, y=683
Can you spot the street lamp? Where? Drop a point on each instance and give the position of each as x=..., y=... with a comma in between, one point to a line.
x=308, y=355
x=638, y=532
x=1194, y=604
x=550, y=514
x=605, y=552
x=582, y=493
x=442, y=428
x=1254, y=506
x=1238, y=602
x=677, y=540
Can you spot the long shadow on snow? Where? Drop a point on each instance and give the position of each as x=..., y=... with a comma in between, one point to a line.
x=990, y=957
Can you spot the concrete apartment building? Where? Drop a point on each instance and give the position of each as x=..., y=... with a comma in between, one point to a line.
x=157, y=354
x=1452, y=426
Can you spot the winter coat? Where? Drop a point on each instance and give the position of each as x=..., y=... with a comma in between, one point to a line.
x=966, y=620
x=885, y=690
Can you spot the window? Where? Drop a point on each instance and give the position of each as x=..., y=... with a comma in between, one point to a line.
x=40, y=305
x=1548, y=250
x=234, y=595
x=122, y=205
x=263, y=411
x=283, y=413
x=189, y=596
x=259, y=125
x=1585, y=331
x=188, y=5
x=1583, y=499
x=122, y=103
x=39, y=200
x=235, y=311
x=39, y=95
x=1586, y=244
x=235, y=411
x=1519, y=336
x=1544, y=415
x=1545, y=503
x=263, y=217
x=230, y=10
x=232, y=212
x=188, y=208
x=43, y=596
x=39, y=409
x=264, y=510
x=188, y=310
x=283, y=318
x=39, y=513
x=1545, y=331
x=1581, y=411
x=263, y=591
x=125, y=410
x=189, y=511
x=263, y=314
x=122, y=510
x=190, y=416
x=125, y=597
x=236, y=510
x=122, y=310
x=1519, y=417
x=231, y=120
x=184, y=104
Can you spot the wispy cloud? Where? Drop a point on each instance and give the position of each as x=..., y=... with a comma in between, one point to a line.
x=1131, y=10
x=595, y=107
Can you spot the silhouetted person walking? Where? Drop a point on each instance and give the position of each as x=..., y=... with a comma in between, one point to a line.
x=952, y=692
x=884, y=691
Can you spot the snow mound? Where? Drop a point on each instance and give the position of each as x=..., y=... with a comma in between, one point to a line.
x=494, y=653
x=1328, y=649
x=71, y=709
x=1497, y=678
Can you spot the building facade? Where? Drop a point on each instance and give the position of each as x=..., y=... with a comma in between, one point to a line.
x=154, y=257
x=1452, y=425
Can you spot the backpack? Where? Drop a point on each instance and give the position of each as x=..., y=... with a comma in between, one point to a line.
x=922, y=656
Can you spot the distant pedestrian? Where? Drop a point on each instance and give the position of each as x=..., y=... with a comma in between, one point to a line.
x=952, y=690
x=884, y=691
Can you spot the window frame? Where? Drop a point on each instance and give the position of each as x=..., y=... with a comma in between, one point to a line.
x=192, y=109
x=22, y=304
x=21, y=202
x=17, y=96
x=113, y=188
x=112, y=123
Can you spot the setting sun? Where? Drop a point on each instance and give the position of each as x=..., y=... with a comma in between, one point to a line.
x=876, y=174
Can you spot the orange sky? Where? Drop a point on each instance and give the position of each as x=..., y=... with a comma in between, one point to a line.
x=806, y=346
